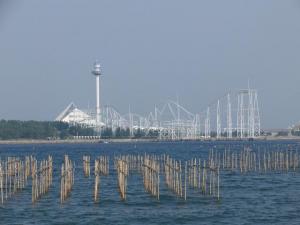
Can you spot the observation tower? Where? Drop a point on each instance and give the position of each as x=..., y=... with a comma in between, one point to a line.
x=97, y=72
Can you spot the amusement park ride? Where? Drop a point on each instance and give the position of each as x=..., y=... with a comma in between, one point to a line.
x=234, y=115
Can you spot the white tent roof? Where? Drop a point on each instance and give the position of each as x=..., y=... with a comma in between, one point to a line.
x=72, y=114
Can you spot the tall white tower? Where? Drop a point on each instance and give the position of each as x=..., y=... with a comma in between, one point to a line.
x=97, y=72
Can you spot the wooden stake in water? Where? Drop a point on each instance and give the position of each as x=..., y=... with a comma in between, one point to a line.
x=67, y=178
x=218, y=183
x=185, y=180
x=122, y=171
x=151, y=175
x=97, y=179
x=41, y=177
x=86, y=165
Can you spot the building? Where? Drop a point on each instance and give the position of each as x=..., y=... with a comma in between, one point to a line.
x=73, y=115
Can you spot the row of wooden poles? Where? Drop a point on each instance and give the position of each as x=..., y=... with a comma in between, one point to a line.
x=67, y=178
x=248, y=160
x=41, y=177
x=122, y=168
x=151, y=170
x=204, y=177
x=194, y=173
x=135, y=162
x=200, y=175
x=174, y=177
x=101, y=169
x=14, y=173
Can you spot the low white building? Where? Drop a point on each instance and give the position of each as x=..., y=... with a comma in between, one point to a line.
x=73, y=115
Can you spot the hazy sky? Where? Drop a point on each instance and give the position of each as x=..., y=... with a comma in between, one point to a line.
x=150, y=51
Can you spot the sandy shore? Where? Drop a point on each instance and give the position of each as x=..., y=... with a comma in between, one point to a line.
x=82, y=141
x=73, y=141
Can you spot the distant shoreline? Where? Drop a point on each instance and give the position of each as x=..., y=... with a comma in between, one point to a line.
x=128, y=140
x=67, y=141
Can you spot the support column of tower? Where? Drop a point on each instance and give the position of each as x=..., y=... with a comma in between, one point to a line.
x=98, y=114
x=97, y=72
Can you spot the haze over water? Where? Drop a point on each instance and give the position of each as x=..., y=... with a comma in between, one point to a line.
x=151, y=51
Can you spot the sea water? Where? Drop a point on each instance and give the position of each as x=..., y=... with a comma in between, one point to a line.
x=251, y=198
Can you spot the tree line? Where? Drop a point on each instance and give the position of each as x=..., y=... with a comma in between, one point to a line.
x=16, y=129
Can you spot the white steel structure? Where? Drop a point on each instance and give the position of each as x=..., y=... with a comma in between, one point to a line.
x=219, y=132
x=248, y=119
x=172, y=121
x=207, y=133
x=229, y=118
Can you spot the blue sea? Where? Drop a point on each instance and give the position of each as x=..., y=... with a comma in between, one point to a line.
x=251, y=198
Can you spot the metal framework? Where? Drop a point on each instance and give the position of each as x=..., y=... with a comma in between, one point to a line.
x=172, y=121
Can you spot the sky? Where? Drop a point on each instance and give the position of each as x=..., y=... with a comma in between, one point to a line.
x=150, y=52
